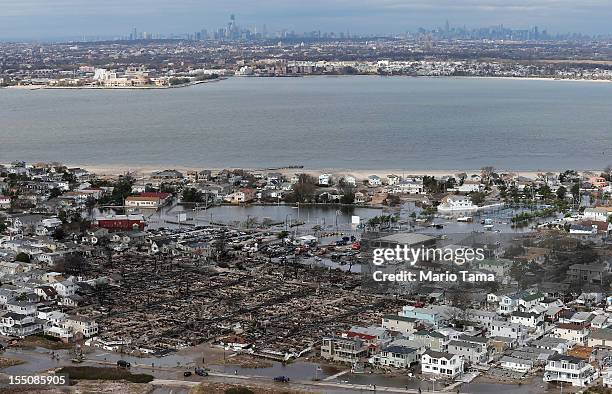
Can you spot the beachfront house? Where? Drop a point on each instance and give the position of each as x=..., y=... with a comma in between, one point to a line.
x=349, y=350
x=516, y=364
x=441, y=364
x=405, y=325
x=396, y=356
x=325, y=179
x=568, y=369
x=456, y=203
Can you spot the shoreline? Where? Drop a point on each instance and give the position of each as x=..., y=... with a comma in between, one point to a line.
x=513, y=78
x=47, y=87
x=360, y=174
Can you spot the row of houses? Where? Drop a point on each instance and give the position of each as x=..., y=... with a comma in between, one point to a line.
x=527, y=331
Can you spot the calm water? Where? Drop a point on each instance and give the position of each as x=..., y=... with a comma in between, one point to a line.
x=337, y=122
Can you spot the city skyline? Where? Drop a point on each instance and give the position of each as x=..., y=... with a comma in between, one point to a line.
x=71, y=19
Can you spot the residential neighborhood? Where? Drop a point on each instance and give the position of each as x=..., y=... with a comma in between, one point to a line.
x=87, y=258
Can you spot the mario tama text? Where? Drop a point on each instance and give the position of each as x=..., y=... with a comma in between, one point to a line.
x=430, y=276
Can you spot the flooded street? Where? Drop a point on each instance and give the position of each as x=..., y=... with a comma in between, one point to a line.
x=302, y=373
x=327, y=217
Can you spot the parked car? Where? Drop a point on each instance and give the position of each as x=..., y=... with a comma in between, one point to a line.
x=283, y=379
x=187, y=374
x=201, y=372
x=123, y=364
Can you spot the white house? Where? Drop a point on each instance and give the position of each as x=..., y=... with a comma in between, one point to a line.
x=471, y=352
x=21, y=307
x=506, y=329
x=18, y=325
x=607, y=378
x=508, y=304
x=393, y=179
x=350, y=180
x=569, y=369
x=65, y=288
x=527, y=319
x=5, y=202
x=470, y=186
x=576, y=333
x=410, y=186
x=84, y=325
x=456, y=203
x=578, y=229
x=324, y=179
x=148, y=200
x=405, y=325
x=483, y=317
x=522, y=301
x=51, y=222
x=441, y=364
x=395, y=356
x=374, y=181
x=600, y=214
x=601, y=337
x=516, y=364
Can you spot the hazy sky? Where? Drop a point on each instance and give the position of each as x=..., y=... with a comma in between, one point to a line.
x=40, y=19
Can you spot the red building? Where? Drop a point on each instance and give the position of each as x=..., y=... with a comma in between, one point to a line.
x=120, y=222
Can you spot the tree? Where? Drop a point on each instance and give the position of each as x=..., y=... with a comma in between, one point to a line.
x=73, y=264
x=121, y=190
x=250, y=222
x=54, y=193
x=477, y=198
x=179, y=81
x=68, y=177
x=575, y=190
x=303, y=190
x=22, y=257
x=430, y=184
x=348, y=193
x=192, y=195
x=58, y=233
x=22, y=297
x=545, y=192
x=63, y=216
x=220, y=246
x=607, y=173
x=568, y=176
x=90, y=203
x=486, y=173
x=514, y=193
x=561, y=192
x=393, y=200
x=381, y=220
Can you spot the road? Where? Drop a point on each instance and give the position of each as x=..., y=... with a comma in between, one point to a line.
x=323, y=386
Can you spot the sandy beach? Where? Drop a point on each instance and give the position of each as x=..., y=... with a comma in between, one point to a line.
x=145, y=170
